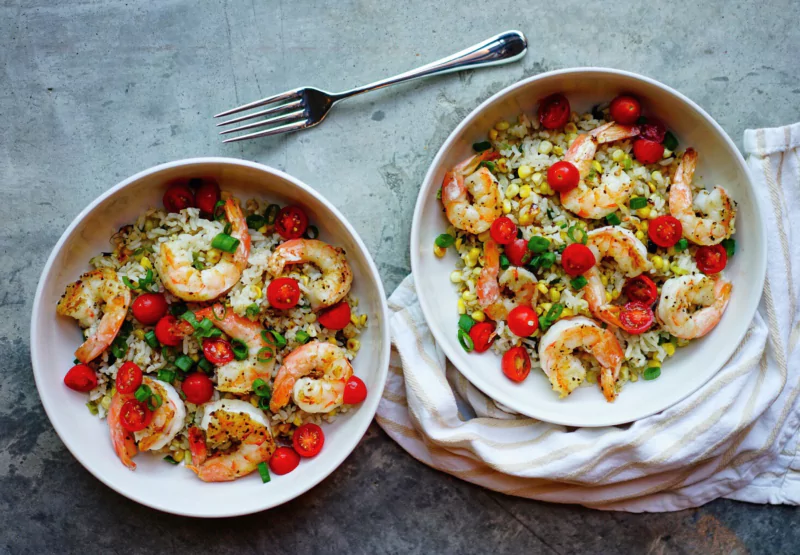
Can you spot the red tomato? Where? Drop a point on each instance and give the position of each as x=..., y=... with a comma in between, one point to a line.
x=516, y=364
x=554, y=111
x=170, y=331
x=563, y=176
x=503, y=231
x=711, y=259
x=482, y=335
x=207, y=196
x=129, y=378
x=518, y=253
x=178, y=197
x=336, y=317
x=577, y=259
x=198, y=388
x=291, y=222
x=134, y=415
x=308, y=440
x=522, y=321
x=653, y=130
x=283, y=293
x=665, y=231
x=81, y=378
x=283, y=460
x=355, y=391
x=625, y=109
x=647, y=151
x=149, y=308
x=641, y=289
x=636, y=317
x=217, y=351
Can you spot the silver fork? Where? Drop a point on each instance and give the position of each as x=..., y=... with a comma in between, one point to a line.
x=306, y=107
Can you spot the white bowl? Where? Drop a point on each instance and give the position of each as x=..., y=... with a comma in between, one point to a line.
x=719, y=163
x=54, y=340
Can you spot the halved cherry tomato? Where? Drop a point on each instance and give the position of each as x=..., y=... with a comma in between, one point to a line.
x=577, y=259
x=518, y=253
x=283, y=460
x=207, y=195
x=129, y=378
x=198, y=388
x=336, y=317
x=178, y=197
x=134, y=415
x=170, y=331
x=711, y=259
x=308, y=440
x=355, y=391
x=625, y=109
x=563, y=176
x=482, y=335
x=641, y=289
x=291, y=222
x=665, y=231
x=516, y=364
x=149, y=308
x=647, y=151
x=554, y=111
x=503, y=230
x=653, y=130
x=636, y=317
x=217, y=351
x=523, y=321
x=283, y=293
x=81, y=378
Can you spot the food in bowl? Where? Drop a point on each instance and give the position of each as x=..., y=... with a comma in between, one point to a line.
x=217, y=336
x=586, y=247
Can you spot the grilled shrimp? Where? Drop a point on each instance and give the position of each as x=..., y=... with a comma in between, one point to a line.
x=100, y=290
x=691, y=306
x=470, y=196
x=491, y=284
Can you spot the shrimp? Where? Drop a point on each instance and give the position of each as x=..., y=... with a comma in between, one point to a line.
x=717, y=205
x=615, y=187
x=470, y=196
x=121, y=439
x=324, y=391
x=337, y=277
x=630, y=255
x=238, y=376
x=491, y=284
x=178, y=274
x=230, y=421
x=565, y=370
x=100, y=290
x=679, y=295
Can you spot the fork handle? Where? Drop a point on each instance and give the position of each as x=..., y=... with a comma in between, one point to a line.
x=502, y=49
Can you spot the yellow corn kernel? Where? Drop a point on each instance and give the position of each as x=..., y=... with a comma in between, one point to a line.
x=566, y=313
x=678, y=271
x=571, y=138
x=195, y=357
x=470, y=262
x=539, y=310
x=353, y=344
x=512, y=191
x=474, y=252
x=669, y=348
x=213, y=256
x=658, y=262
x=644, y=226
x=598, y=167
x=667, y=153
x=555, y=295
x=459, y=242
x=177, y=456
x=546, y=306
x=571, y=128
x=297, y=420
x=608, y=297
x=363, y=320
x=558, y=151
x=524, y=171
x=525, y=191
x=354, y=319
x=502, y=125
x=542, y=287
x=493, y=134
x=311, y=318
x=468, y=296
x=604, y=279
x=640, y=235
x=139, y=334
x=483, y=237
x=537, y=178
x=254, y=400
x=502, y=165
x=262, y=229
x=643, y=212
x=615, y=295
x=657, y=177
x=462, y=306
x=439, y=251
x=106, y=402
x=506, y=207
x=545, y=147
x=145, y=262
x=478, y=316
x=652, y=186
x=332, y=341
x=256, y=291
x=618, y=155
x=526, y=218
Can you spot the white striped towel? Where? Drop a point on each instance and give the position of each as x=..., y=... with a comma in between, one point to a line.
x=735, y=437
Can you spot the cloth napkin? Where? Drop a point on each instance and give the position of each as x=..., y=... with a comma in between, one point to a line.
x=735, y=437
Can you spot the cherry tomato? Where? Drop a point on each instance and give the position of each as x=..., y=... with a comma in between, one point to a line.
x=283, y=460
x=636, y=317
x=336, y=317
x=554, y=111
x=178, y=197
x=198, y=388
x=516, y=364
x=711, y=259
x=283, y=293
x=149, y=308
x=217, y=351
x=81, y=378
x=291, y=222
x=641, y=289
x=647, y=151
x=134, y=415
x=625, y=109
x=482, y=335
x=503, y=231
x=577, y=259
x=665, y=231
x=523, y=321
x=129, y=378
x=653, y=130
x=207, y=195
x=355, y=391
x=518, y=253
x=170, y=331
x=308, y=440
x=563, y=176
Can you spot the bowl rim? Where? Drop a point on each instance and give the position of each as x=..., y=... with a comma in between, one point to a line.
x=385, y=350
x=759, y=258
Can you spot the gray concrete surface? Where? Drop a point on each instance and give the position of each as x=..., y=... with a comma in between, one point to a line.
x=94, y=91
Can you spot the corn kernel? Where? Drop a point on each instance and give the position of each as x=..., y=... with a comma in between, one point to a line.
x=537, y=178
x=658, y=262
x=546, y=306
x=604, y=279
x=644, y=226
x=177, y=456
x=555, y=295
x=608, y=297
x=493, y=134
x=297, y=420
x=311, y=318
x=525, y=191
x=566, y=313
x=354, y=319
x=558, y=151
x=256, y=291
x=462, y=307
x=502, y=165
x=145, y=262
x=615, y=294
x=526, y=218
x=669, y=348
x=667, y=153
x=542, y=287
x=643, y=212
x=332, y=341
x=502, y=125
x=139, y=334
x=439, y=251
x=459, y=242
x=539, y=310
x=652, y=186
x=598, y=167
x=262, y=229
x=618, y=155
x=353, y=344
x=640, y=235
x=571, y=138
x=657, y=177
x=571, y=128
x=524, y=171
x=195, y=357
x=545, y=147
x=506, y=207
x=468, y=296
x=512, y=191
x=485, y=236
x=478, y=316
x=678, y=271
x=363, y=320
x=106, y=402
x=254, y=400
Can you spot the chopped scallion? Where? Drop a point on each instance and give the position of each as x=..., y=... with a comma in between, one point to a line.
x=481, y=146
x=154, y=401
x=578, y=283
x=504, y=262
x=280, y=340
x=225, y=242
x=730, y=246
x=670, y=141
x=302, y=337
x=547, y=259
x=638, y=202
x=264, y=354
x=184, y=362
x=681, y=245
x=613, y=219
x=489, y=165
x=652, y=373
x=177, y=309
x=166, y=375
x=271, y=213
x=444, y=240
x=256, y=221
x=261, y=388
x=252, y=310
x=465, y=322
x=143, y=393
x=538, y=244
x=465, y=340
x=205, y=365
x=219, y=210
x=170, y=460
x=239, y=349
x=263, y=470
x=627, y=164
x=583, y=236
x=151, y=339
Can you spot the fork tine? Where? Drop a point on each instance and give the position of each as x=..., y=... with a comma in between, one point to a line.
x=274, y=131
x=262, y=102
x=272, y=121
x=287, y=106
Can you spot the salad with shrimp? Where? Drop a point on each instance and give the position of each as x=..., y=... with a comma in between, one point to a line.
x=217, y=336
x=586, y=246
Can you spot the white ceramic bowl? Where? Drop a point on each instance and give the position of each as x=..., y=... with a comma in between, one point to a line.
x=719, y=163
x=54, y=340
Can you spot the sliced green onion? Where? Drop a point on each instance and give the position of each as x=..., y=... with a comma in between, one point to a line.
x=225, y=242
x=151, y=339
x=119, y=348
x=271, y=213
x=444, y=240
x=465, y=322
x=154, y=401
x=730, y=246
x=547, y=259
x=489, y=165
x=252, y=310
x=239, y=348
x=177, y=309
x=219, y=315
x=261, y=388
x=535, y=261
x=264, y=354
x=578, y=283
x=166, y=375
x=638, y=202
x=75, y=361
x=681, y=245
x=126, y=329
x=465, y=340
x=613, y=219
x=481, y=146
x=538, y=244
x=184, y=362
x=205, y=325
x=227, y=229
x=129, y=283
x=302, y=337
x=205, y=365
x=219, y=210
x=190, y=317
x=555, y=312
x=256, y=221
x=627, y=164
x=670, y=141
x=439, y=194
x=280, y=340
x=92, y=408
x=143, y=393
x=263, y=469
x=504, y=262
x=197, y=264
x=312, y=232
x=170, y=460
x=263, y=403
x=168, y=353
x=582, y=238
x=652, y=373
